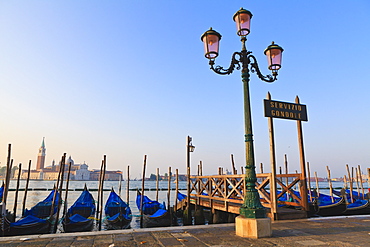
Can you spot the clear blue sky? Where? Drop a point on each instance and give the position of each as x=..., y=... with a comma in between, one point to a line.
x=129, y=78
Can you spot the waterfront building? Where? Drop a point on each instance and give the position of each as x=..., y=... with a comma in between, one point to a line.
x=78, y=171
x=109, y=175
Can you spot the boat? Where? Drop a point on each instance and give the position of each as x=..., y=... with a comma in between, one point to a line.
x=37, y=220
x=285, y=199
x=180, y=196
x=118, y=213
x=80, y=216
x=154, y=213
x=1, y=192
x=329, y=208
x=43, y=209
x=356, y=195
x=359, y=206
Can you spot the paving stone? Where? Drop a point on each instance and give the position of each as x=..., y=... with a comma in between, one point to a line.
x=83, y=242
x=161, y=235
x=145, y=238
x=60, y=242
x=342, y=231
x=103, y=240
x=35, y=242
x=122, y=237
x=192, y=241
x=10, y=243
x=170, y=242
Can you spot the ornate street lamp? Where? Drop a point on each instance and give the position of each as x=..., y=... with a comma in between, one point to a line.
x=244, y=60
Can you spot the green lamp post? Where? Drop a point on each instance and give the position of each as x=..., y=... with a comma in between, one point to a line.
x=244, y=60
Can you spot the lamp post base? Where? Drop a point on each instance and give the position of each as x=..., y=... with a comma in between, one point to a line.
x=253, y=213
x=253, y=228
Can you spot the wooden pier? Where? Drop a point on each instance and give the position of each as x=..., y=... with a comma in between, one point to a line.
x=226, y=193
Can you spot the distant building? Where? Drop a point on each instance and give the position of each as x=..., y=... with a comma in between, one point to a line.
x=41, y=156
x=78, y=171
x=109, y=175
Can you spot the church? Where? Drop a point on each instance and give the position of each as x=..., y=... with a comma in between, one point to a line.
x=78, y=171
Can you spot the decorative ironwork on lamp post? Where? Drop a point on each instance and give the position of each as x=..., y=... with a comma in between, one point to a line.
x=244, y=60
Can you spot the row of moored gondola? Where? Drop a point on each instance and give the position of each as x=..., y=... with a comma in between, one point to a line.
x=79, y=217
x=341, y=203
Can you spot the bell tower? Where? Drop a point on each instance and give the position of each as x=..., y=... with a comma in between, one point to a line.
x=41, y=156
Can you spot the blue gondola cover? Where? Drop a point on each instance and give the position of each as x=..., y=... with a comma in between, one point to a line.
x=27, y=221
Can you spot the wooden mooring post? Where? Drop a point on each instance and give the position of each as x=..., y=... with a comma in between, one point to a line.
x=142, y=194
x=16, y=192
x=350, y=183
x=361, y=182
x=272, y=164
x=157, y=185
x=26, y=188
x=128, y=186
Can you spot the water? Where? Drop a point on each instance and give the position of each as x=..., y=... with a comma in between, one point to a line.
x=33, y=197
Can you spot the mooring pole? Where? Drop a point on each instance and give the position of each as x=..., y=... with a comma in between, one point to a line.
x=157, y=185
x=142, y=194
x=26, y=188
x=303, y=183
x=272, y=164
x=16, y=191
x=102, y=191
x=128, y=186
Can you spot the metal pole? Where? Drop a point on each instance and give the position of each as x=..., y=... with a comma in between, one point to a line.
x=252, y=207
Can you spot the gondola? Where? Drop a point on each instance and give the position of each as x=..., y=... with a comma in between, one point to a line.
x=359, y=206
x=154, y=213
x=80, y=216
x=329, y=208
x=180, y=196
x=356, y=195
x=37, y=220
x=43, y=208
x=312, y=205
x=1, y=192
x=118, y=213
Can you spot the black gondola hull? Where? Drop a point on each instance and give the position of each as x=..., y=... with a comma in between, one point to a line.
x=161, y=221
x=361, y=210
x=334, y=209
x=30, y=229
x=118, y=223
x=84, y=226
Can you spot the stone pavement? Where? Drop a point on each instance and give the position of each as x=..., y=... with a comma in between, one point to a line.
x=333, y=231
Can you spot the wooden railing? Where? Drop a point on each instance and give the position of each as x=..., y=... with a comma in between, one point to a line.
x=231, y=189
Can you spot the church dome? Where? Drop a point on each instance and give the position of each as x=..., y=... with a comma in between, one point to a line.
x=70, y=160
